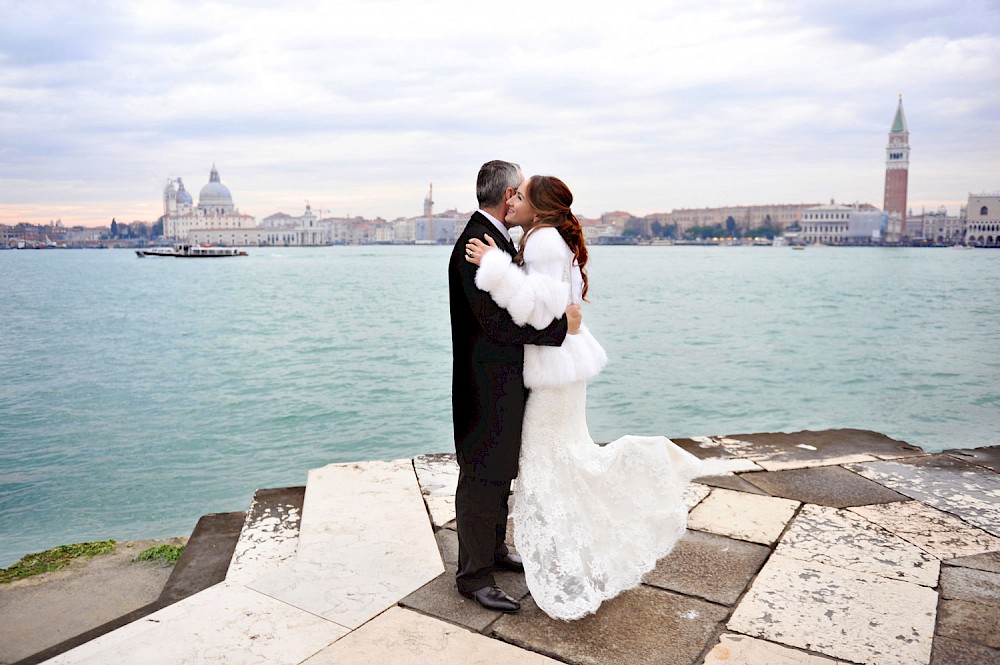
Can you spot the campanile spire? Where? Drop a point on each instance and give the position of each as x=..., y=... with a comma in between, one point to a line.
x=897, y=168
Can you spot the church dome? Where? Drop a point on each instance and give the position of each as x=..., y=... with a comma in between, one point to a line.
x=214, y=193
x=182, y=194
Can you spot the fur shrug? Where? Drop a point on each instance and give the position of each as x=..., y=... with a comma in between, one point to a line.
x=537, y=296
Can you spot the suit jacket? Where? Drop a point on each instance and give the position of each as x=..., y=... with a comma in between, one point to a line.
x=488, y=392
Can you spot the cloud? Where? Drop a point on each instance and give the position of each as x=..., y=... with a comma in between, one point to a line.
x=645, y=107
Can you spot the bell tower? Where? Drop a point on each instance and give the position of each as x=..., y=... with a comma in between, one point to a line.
x=897, y=169
x=429, y=214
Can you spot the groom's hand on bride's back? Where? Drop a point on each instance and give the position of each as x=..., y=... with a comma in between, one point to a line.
x=574, y=317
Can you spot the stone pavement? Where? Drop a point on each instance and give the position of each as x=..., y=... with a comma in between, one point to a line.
x=842, y=546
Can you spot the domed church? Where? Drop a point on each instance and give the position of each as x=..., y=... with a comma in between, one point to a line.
x=215, y=212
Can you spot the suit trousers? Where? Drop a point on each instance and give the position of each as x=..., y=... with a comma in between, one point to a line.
x=481, y=519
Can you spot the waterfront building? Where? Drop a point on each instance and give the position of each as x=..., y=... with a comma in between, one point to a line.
x=279, y=229
x=744, y=218
x=404, y=230
x=982, y=223
x=837, y=224
x=936, y=227
x=897, y=169
x=445, y=227
x=215, y=210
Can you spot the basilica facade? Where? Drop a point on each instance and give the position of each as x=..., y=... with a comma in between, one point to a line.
x=215, y=210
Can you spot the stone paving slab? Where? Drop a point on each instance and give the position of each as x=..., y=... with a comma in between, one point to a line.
x=849, y=615
x=826, y=486
x=743, y=650
x=976, y=586
x=269, y=536
x=969, y=622
x=969, y=491
x=439, y=598
x=447, y=540
x=759, y=519
x=227, y=623
x=694, y=494
x=438, y=477
x=709, y=566
x=820, y=534
x=734, y=482
x=402, y=637
x=639, y=627
x=955, y=652
x=935, y=531
x=989, y=561
x=365, y=542
x=988, y=456
x=776, y=451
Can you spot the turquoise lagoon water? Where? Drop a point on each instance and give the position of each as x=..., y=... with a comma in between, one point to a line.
x=139, y=394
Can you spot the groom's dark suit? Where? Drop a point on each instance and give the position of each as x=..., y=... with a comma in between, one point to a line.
x=488, y=397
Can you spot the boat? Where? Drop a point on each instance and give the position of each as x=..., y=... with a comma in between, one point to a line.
x=191, y=251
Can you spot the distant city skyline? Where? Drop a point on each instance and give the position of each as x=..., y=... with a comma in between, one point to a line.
x=357, y=106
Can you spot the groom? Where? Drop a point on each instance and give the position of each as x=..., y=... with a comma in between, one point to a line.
x=488, y=396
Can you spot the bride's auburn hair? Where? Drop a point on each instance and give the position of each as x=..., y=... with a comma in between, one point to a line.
x=551, y=199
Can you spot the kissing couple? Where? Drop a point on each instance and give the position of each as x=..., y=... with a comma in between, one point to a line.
x=589, y=520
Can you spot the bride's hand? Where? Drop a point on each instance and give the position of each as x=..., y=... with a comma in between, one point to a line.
x=475, y=248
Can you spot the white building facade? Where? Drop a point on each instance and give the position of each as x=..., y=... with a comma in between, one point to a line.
x=982, y=220
x=843, y=225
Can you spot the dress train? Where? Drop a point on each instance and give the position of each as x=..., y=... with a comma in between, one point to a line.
x=589, y=520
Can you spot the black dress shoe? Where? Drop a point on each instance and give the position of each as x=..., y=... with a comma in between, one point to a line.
x=510, y=562
x=493, y=598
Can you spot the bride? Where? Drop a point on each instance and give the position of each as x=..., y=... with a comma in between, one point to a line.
x=589, y=520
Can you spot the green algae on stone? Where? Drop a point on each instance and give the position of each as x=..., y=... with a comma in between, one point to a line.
x=165, y=554
x=53, y=559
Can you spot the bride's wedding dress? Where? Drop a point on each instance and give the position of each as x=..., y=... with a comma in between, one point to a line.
x=589, y=520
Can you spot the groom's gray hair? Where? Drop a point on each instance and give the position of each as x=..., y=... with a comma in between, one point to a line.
x=494, y=179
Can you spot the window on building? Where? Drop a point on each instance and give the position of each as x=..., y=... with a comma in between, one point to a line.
x=984, y=211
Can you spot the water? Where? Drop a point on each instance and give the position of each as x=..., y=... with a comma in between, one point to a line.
x=138, y=394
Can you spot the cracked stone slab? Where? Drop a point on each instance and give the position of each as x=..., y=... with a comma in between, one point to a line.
x=850, y=615
x=826, y=486
x=975, y=586
x=404, y=637
x=709, y=566
x=935, y=531
x=641, y=626
x=969, y=622
x=365, y=542
x=759, y=519
x=969, y=491
x=988, y=456
x=225, y=623
x=820, y=534
x=269, y=536
x=743, y=650
x=438, y=478
x=777, y=451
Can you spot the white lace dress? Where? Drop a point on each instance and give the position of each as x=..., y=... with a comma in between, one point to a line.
x=589, y=520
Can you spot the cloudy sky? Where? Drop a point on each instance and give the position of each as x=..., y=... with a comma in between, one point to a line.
x=356, y=105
